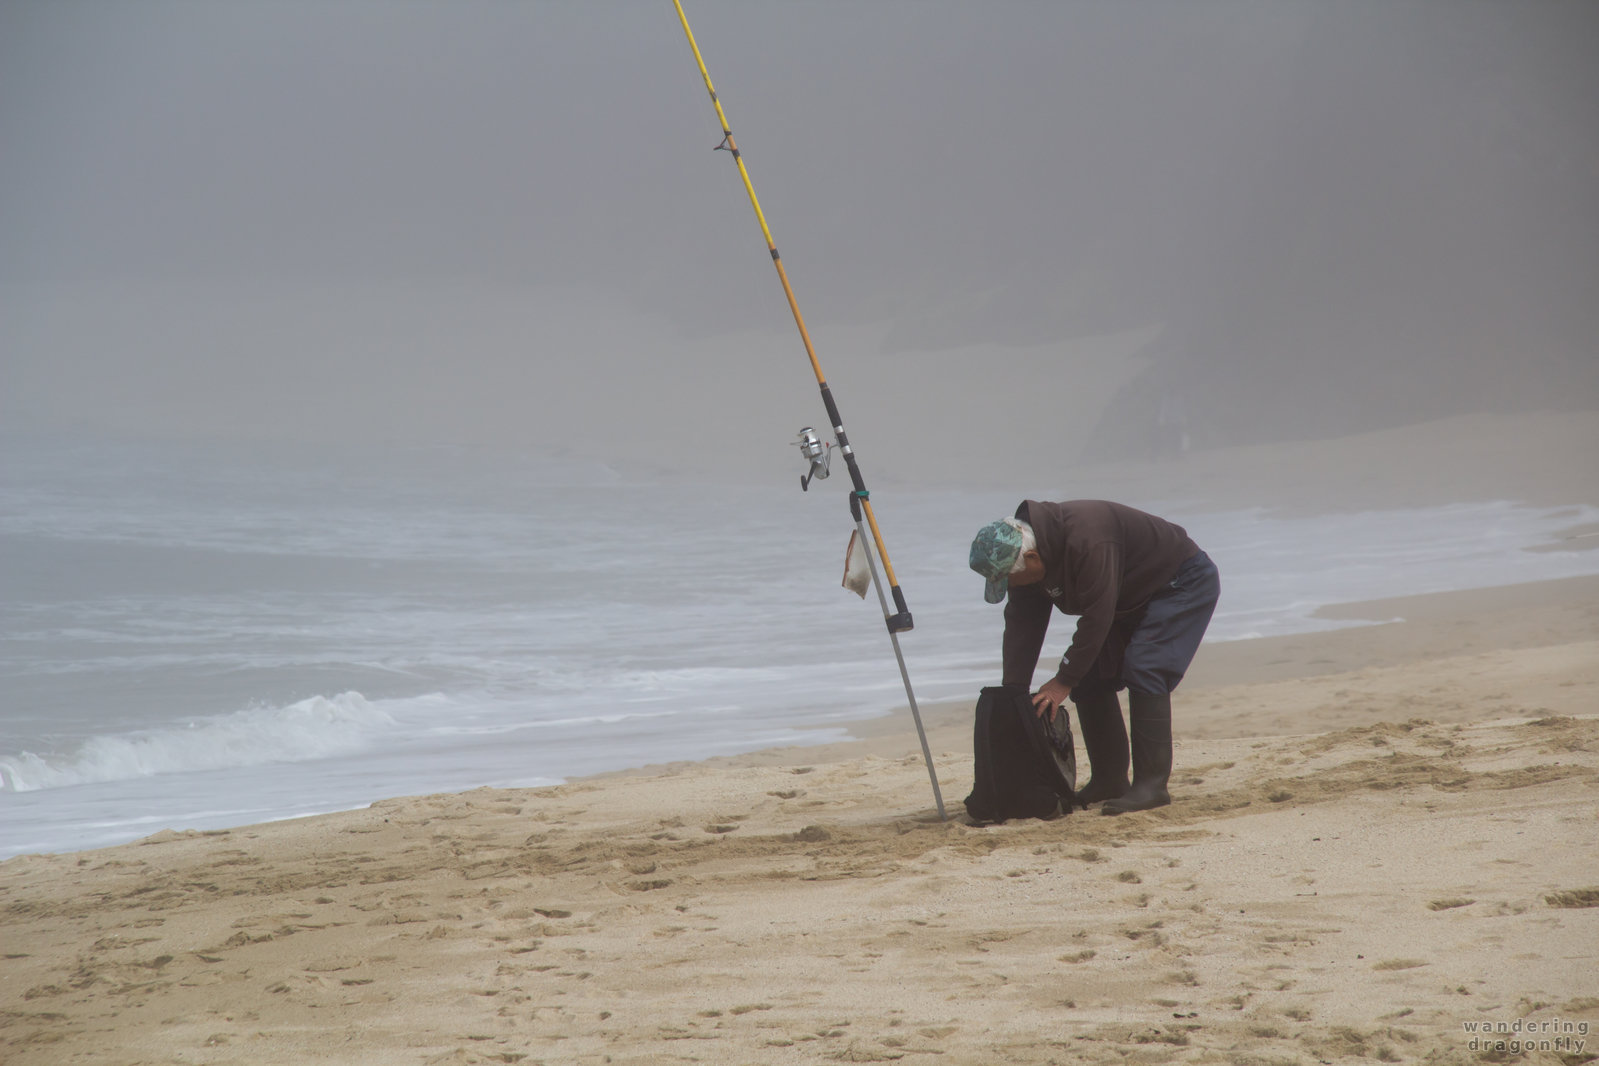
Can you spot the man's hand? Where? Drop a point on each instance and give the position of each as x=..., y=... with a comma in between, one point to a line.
x=1051, y=696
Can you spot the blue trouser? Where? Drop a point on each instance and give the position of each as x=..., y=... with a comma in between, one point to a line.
x=1164, y=639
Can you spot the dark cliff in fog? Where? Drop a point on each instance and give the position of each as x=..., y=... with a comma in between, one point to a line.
x=1411, y=230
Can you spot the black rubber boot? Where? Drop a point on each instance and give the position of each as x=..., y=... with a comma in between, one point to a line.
x=1099, y=715
x=1151, y=720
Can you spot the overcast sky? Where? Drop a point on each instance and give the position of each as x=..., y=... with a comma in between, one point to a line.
x=502, y=223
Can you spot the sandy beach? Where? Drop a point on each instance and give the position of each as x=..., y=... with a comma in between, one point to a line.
x=1382, y=838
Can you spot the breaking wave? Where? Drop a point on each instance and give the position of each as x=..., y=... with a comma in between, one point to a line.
x=310, y=729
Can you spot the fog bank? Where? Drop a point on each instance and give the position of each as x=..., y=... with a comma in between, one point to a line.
x=1071, y=231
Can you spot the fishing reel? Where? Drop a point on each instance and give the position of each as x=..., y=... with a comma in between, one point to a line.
x=817, y=453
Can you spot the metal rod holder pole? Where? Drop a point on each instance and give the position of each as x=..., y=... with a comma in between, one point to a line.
x=899, y=657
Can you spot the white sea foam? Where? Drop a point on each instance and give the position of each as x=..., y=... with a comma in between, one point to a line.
x=310, y=729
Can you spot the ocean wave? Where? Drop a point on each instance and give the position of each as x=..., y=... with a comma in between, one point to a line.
x=313, y=728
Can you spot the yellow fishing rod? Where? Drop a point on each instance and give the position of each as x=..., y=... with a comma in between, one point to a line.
x=860, y=501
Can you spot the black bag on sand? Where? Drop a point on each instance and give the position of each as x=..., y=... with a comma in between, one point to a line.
x=1026, y=766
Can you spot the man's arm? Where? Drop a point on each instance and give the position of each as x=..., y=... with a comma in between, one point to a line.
x=1026, y=622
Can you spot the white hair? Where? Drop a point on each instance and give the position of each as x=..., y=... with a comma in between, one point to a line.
x=1029, y=543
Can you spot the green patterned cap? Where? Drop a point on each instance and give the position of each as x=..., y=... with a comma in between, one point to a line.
x=995, y=550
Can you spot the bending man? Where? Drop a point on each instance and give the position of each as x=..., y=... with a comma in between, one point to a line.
x=1144, y=594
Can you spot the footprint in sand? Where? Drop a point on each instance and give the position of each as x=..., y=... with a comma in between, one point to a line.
x=1449, y=904
x=1577, y=897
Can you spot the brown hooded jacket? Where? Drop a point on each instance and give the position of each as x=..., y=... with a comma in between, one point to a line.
x=1102, y=562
